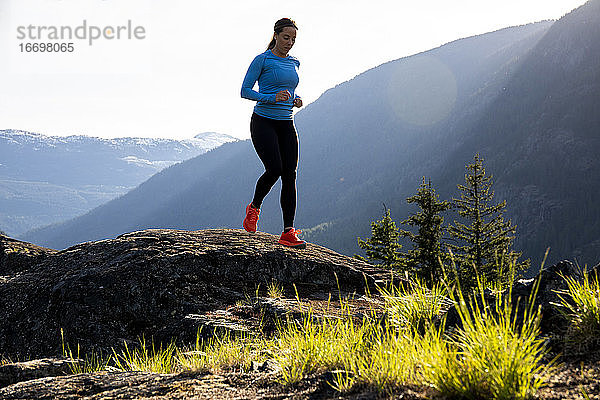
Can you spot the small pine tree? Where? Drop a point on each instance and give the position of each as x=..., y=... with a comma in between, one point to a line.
x=382, y=247
x=427, y=253
x=487, y=239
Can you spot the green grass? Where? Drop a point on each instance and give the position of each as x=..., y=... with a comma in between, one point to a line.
x=491, y=355
x=274, y=290
x=580, y=304
x=413, y=306
x=147, y=358
x=314, y=345
x=584, y=393
x=224, y=352
x=385, y=361
x=497, y=353
x=358, y=353
x=92, y=361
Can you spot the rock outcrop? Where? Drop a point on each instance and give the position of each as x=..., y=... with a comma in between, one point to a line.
x=551, y=284
x=166, y=285
x=28, y=370
x=16, y=256
x=160, y=284
x=188, y=385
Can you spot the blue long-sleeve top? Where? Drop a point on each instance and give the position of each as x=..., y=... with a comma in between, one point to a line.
x=273, y=74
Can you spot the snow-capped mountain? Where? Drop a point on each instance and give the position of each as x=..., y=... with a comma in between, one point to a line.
x=46, y=179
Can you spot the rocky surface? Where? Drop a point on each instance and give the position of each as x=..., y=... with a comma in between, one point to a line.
x=166, y=284
x=567, y=382
x=16, y=255
x=162, y=284
x=28, y=370
x=551, y=283
x=185, y=385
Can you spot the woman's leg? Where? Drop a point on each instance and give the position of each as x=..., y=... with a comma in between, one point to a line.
x=288, y=150
x=265, y=141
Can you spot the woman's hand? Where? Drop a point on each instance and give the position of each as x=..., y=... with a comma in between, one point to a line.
x=283, y=95
x=298, y=102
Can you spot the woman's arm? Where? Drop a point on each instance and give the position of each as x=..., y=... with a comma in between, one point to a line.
x=250, y=79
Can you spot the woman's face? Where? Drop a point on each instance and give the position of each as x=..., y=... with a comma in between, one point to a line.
x=285, y=39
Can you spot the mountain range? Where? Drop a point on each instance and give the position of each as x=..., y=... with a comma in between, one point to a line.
x=526, y=98
x=49, y=179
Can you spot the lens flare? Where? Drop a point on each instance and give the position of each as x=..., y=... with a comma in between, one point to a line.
x=422, y=90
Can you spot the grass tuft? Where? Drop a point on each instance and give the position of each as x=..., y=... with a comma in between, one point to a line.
x=274, y=290
x=224, y=352
x=92, y=361
x=413, y=306
x=147, y=358
x=491, y=356
x=580, y=304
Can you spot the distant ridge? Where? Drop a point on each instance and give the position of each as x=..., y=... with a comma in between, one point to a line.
x=47, y=179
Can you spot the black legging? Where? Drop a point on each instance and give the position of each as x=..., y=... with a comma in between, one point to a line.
x=276, y=143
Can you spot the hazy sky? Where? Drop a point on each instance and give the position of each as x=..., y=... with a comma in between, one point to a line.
x=182, y=76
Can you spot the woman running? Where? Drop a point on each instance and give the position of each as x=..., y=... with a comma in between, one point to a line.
x=272, y=127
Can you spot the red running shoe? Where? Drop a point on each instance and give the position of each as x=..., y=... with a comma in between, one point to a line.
x=290, y=239
x=251, y=219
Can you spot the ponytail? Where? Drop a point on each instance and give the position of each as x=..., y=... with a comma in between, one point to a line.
x=279, y=25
